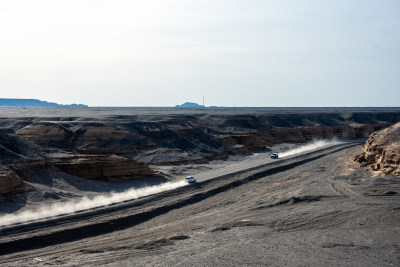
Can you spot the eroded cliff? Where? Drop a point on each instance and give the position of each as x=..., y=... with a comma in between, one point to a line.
x=381, y=152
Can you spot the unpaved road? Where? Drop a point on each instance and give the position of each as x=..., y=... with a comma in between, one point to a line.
x=312, y=210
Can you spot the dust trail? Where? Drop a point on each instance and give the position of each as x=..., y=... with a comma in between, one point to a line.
x=308, y=147
x=85, y=203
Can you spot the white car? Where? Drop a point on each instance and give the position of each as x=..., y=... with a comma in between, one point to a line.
x=190, y=179
x=274, y=156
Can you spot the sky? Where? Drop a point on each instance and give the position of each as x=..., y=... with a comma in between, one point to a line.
x=233, y=52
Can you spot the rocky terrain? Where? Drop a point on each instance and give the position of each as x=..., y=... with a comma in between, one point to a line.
x=313, y=209
x=110, y=144
x=381, y=152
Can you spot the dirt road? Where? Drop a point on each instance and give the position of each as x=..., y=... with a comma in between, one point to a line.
x=312, y=210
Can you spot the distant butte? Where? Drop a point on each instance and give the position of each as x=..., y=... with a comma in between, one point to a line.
x=189, y=105
x=9, y=102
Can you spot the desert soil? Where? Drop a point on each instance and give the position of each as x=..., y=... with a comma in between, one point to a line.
x=323, y=212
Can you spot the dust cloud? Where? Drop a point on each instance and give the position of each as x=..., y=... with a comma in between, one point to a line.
x=86, y=203
x=308, y=147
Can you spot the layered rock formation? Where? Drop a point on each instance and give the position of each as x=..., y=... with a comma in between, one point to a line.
x=381, y=152
x=110, y=168
x=9, y=181
x=13, y=150
x=114, y=148
x=45, y=145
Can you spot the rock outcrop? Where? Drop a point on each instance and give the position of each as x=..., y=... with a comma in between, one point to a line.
x=110, y=168
x=381, y=152
x=9, y=181
x=14, y=150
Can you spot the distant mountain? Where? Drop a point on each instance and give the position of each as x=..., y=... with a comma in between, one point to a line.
x=9, y=102
x=189, y=105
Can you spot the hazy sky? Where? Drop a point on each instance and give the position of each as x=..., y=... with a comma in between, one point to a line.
x=234, y=52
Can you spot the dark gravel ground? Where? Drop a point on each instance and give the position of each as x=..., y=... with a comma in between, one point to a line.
x=325, y=212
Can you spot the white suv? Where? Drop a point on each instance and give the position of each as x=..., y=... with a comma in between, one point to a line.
x=190, y=179
x=274, y=156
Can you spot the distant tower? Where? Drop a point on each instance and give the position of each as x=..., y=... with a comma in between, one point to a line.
x=203, y=102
